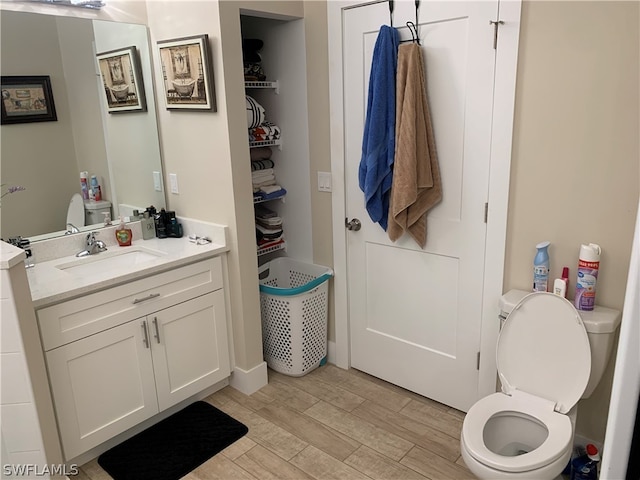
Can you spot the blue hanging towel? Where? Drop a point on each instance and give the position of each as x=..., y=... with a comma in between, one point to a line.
x=378, y=143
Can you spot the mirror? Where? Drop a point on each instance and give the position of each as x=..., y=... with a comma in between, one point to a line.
x=121, y=148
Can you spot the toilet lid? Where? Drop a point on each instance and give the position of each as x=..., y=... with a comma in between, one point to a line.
x=543, y=349
x=75, y=213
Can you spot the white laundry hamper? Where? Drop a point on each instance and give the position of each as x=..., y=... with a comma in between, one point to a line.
x=294, y=299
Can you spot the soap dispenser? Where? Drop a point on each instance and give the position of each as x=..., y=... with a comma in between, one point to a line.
x=123, y=234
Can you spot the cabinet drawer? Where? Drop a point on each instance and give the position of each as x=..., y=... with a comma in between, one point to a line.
x=93, y=313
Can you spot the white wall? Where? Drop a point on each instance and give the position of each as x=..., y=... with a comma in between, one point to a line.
x=196, y=147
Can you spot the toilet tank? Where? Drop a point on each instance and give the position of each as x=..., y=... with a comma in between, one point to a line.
x=93, y=211
x=601, y=324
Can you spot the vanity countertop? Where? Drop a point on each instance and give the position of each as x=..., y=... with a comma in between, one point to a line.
x=50, y=282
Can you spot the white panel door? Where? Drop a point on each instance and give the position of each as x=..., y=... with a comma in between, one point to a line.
x=102, y=385
x=415, y=315
x=189, y=345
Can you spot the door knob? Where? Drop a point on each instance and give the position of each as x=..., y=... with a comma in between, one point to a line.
x=353, y=225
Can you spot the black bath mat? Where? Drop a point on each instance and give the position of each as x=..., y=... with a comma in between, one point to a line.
x=173, y=447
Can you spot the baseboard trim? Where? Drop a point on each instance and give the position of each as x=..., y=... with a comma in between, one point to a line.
x=249, y=381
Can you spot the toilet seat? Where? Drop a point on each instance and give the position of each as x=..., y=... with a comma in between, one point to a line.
x=75, y=212
x=558, y=425
x=543, y=350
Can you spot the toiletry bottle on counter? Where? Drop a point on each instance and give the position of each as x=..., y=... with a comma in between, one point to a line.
x=123, y=234
x=541, y=268
x=588, y=265
x=148, y=226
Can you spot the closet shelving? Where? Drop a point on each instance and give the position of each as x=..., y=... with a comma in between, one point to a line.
x=251, y=85
x=283, y=94
x=263, y=200
x=263, y=84
x=254, y=85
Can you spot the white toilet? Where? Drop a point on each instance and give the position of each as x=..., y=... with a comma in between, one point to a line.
x=549, y=356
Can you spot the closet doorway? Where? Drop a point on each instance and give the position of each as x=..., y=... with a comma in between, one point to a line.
x=426, y=320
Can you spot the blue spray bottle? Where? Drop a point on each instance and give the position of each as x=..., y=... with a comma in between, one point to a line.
x=541, y=268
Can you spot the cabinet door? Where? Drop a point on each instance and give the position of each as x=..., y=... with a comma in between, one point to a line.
x=190, y=347
x=102, y=385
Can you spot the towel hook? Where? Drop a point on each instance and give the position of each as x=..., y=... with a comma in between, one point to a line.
x=415, y=25
x=391, y=13
x=415, y=37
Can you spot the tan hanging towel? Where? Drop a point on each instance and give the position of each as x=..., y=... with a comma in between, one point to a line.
x=416, y=185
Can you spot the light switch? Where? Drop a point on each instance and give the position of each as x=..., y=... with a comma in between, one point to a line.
x=157, y=181
x=173, y=181
x=324, y=181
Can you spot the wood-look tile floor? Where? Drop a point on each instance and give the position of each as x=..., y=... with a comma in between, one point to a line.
x=332, y=424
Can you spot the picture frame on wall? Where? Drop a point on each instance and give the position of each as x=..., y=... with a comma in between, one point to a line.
x=27, y=99
x=122, y=80
x=187, y=73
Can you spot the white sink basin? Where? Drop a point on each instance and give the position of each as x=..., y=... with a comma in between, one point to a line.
x=110, y=260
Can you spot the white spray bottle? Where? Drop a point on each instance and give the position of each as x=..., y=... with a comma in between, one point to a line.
x=588, y=265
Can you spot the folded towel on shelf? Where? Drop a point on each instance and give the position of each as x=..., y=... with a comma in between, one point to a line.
x=275, y=222
x=262, y=133
x=262, y=173
x=271, y=189
x=263, y=179
x=261, y=164
x=378, y=143
x=263, y=245
x=260, y=153
x=264, y=212
x=264, y=182
x=255, y=112
x=261, y=195
x=268, y=234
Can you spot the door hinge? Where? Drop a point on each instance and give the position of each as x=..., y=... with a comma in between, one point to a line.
x=495, y=31
x=478, y=362
x=486, y=212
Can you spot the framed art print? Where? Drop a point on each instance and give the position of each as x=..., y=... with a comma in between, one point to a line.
x=187, y=73
x=27, y=99
x=122, y=80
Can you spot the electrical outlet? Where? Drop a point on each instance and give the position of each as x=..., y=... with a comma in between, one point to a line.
x=173, y=181
x=157, y=181
x=324, y=181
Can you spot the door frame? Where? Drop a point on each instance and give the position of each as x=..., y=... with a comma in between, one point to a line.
x=498, y=194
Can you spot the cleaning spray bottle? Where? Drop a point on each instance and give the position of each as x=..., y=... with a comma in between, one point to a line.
x=541, y=268
x=588, y=265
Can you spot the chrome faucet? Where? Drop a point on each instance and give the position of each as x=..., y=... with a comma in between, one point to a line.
x=71, y=228
x=93, y=246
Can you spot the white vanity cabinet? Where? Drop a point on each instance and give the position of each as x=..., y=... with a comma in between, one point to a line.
x=119, y=356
